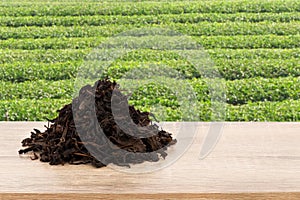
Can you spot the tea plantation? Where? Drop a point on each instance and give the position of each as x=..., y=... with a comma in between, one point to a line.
x=254, y=45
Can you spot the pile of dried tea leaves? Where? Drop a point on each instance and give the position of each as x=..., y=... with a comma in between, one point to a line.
x=106, y=135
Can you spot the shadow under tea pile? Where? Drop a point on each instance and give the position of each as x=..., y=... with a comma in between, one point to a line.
x=106, y=135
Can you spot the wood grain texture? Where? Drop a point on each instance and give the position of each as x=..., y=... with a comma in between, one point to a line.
x=181, y=196
x=251, y=161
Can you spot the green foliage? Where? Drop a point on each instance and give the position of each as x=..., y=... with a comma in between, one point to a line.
x=32, y=71
x=255, y=46
x=208, y=42
x=100, y=20
x=40, y=110
x=51, y=43
x=39, y=89
x=265, y=111
x=198, y=29
x=229, y=69
x=261, y=89
x=67, y=55
x=148, y=8
x=251, y=90
x=31, y=109
x=45, y=56
x=232, y=69
x=249, y=42
x=151, y=94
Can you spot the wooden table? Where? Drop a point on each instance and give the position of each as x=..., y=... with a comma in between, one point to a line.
x=250, y=161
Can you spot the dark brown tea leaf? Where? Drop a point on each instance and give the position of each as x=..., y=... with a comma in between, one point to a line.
x=116, y=136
